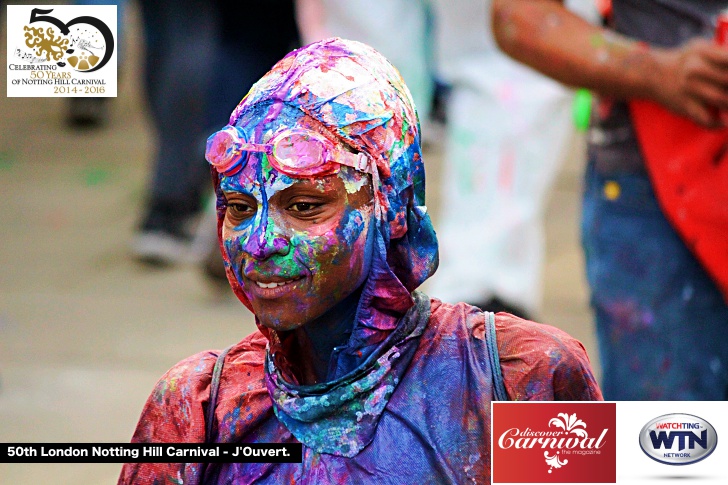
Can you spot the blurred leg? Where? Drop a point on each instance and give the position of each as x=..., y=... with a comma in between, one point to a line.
x=180, y=37
x=661, y=322
x=179, y=64
x=508, y=129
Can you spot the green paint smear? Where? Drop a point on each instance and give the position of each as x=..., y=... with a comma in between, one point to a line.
x=7, y=160
x=597, y=40
x=93, y=176
x=464, y=139
x=582, y=109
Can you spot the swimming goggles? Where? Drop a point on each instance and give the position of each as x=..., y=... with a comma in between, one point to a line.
x=297, y=153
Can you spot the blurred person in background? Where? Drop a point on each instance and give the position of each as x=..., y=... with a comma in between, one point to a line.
x=508, y=129
x=198, y=62
x=655, y=226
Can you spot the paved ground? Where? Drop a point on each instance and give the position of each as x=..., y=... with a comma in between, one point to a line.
x=84, y=331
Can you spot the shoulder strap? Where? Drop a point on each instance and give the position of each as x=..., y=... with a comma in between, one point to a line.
x=214, y=388
x=491, y=344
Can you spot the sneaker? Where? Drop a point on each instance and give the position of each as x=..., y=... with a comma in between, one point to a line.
x=159, y=248
x=165, y=238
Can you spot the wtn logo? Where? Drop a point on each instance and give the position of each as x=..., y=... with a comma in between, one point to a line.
x=665, y=439
x=678, y=439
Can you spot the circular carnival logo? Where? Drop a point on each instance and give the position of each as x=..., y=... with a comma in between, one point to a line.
x=87, y=42
x=678, y=439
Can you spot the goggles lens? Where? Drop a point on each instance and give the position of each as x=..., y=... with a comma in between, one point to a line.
x=299, y=153
x=224, y=149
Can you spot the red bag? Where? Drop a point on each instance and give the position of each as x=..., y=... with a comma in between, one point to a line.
x=688, y=166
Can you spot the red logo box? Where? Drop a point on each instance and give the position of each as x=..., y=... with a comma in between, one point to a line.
x=554, y=442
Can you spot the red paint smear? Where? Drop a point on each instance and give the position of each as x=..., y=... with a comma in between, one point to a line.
x=506, y=168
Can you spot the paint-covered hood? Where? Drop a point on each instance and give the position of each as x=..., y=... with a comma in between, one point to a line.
x=360, y=97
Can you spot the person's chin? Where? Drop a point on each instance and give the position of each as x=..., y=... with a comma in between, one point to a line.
x=282, y=324
x=283, y=313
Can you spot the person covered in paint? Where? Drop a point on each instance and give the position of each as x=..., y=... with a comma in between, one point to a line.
x=320, y=196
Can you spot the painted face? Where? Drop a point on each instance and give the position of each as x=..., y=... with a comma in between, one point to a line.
x=297, y=246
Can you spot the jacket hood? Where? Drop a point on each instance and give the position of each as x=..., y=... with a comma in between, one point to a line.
x=357, y=95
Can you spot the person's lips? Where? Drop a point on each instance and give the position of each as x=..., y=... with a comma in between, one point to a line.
x=275, y=284
x=268, y=287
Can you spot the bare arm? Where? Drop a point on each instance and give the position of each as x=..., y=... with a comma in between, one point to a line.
x=691, y=80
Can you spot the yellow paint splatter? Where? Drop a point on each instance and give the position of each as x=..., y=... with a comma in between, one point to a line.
x=612, y=190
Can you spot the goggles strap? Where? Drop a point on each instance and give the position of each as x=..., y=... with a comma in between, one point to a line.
x=378, y=209
x=362, y=163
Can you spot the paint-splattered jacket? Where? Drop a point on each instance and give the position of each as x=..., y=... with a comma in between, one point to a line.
x=430, y=424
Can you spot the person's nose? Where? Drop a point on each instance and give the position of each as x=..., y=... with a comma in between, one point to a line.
x=265, y=240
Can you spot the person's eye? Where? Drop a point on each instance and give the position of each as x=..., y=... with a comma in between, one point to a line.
x=238, y=211
x=305, y=208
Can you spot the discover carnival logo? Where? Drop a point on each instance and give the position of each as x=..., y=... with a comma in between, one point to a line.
x=61, y=50
x=678, y=439
x=554, y=442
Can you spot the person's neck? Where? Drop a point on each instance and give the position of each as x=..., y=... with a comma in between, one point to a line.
x=315, y=341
